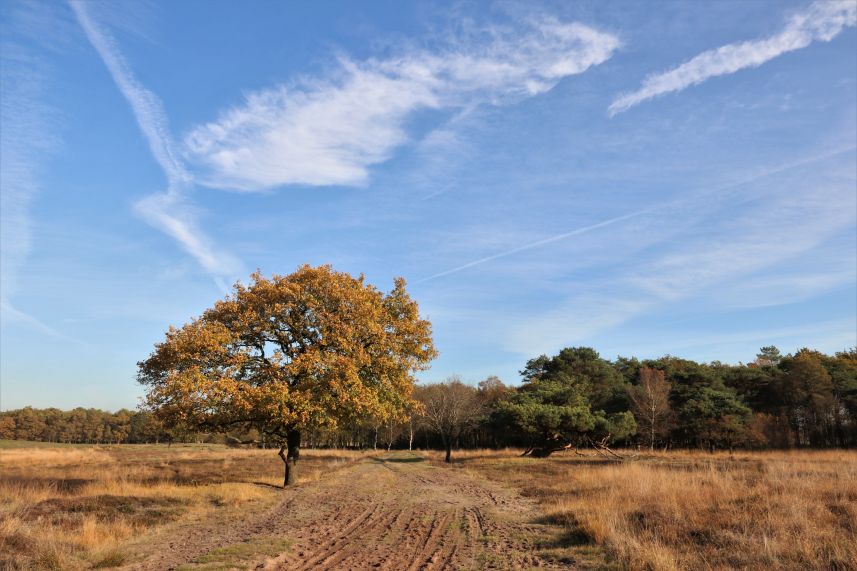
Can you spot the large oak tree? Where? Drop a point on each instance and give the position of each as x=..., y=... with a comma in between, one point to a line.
x=308, y=350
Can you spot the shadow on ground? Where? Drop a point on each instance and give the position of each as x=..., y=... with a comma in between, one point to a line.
x=399, y=459
x=572, y=535
x=267, y=485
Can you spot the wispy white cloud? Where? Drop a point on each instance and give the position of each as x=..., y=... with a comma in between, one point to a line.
x=722, y=257
x=148, y=109
x=577, y=320
x=757, y=238
x=836, y=334
x=28, y=137
x=24, y=139
x=679, y=207
x=13, y=315
x=790, y=287
x=330, y=130
x=169, y=211
x=822, y=21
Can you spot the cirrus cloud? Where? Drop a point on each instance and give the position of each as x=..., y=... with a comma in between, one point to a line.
x=330, y=130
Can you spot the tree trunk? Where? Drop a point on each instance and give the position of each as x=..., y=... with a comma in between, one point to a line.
x=652, y=447
x=390, y=436
x=290, y=459
x=651, y=420
x=410, y=436
x=448, y=451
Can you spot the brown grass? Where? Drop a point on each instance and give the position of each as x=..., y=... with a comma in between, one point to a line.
x=73, y=507
x=681, y=510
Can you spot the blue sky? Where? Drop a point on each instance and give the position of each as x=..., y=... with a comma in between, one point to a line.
x=643, y=178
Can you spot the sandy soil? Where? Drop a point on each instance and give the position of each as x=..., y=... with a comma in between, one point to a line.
x=395, y=512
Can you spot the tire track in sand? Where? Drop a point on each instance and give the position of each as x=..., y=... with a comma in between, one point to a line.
x=396, y=513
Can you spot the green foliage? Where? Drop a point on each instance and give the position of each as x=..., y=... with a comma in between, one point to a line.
x=565, y=398
x=606, y=388
x=550, y=410
x=768, y=356
x=709, y=412
x=617, y=426
x=714, y=415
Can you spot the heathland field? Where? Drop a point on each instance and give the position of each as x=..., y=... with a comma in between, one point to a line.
x=216, y=508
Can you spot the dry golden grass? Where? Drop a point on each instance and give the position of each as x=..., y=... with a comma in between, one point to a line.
x=73, y=507
x=681, y=510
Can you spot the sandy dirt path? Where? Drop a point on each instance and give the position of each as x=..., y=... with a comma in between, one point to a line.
x=395, y=512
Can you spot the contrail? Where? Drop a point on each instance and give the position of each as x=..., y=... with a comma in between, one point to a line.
x=538, y=243
x=693, y=198
x=147, y=107
x=168, y=211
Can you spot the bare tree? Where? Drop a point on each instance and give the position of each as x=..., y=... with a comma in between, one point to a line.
x=449, y=409
x=393, y=430
x=650, y=402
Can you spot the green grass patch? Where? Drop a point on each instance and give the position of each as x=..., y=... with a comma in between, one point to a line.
x=584, y=557
x=399, y=457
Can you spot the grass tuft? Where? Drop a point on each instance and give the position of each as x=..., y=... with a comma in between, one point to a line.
x=112, y=558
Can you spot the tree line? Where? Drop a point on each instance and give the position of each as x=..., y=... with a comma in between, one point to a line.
x=85, y=426
x=573, y=399
x=579, y=399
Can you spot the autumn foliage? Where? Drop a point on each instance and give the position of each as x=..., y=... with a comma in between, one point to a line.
x=308, y=350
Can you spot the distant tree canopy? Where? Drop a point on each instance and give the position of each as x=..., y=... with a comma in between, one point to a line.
x=308, y=350
x=567, y=398
x=85, y=426
x=803, y=400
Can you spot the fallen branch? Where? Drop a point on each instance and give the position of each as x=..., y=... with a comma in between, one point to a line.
x=599, y=452
x=601, y=447
x=615, y=454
